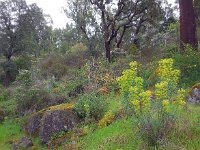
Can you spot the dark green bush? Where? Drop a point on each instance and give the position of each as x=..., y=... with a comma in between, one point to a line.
x=91, y=106
x=4, y=95
x=10, y=66
x=76, y=55
x=23, y=62
x=189, y=64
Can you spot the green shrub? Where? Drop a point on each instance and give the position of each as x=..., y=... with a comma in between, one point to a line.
x=78, y=49
x=76, y=55
x=23, y=62
x=10, y=66
x=3, y=94
x=24, y=77
x=75, y=80
x=189, y=65
x=53, y=65
x=91, y=106
x=30, y=98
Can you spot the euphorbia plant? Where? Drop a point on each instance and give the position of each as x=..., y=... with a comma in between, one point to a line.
x=156, y=111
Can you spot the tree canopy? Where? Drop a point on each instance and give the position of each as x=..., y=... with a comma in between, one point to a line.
x=22, y=27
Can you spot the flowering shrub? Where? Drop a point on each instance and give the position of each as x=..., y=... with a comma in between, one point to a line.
x=156, y=111
x=166, y=90
x=24, y=77
x=132, y=89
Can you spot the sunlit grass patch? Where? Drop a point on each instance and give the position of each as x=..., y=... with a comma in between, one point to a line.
x=119, y=135
x=9, y=132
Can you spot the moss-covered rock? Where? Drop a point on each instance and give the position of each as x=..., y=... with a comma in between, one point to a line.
x=56, y=121
x=51, y=121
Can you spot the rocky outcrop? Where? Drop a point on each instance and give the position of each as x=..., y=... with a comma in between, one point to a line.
x=55, y=122
x=33, y=125
x=49, y=122
x=194, y=94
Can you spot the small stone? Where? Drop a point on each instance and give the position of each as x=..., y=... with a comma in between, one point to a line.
x=194, y=97
x=73, y=142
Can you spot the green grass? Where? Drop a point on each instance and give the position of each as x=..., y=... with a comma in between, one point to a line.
x=187, y=134
x=122, y=135
x=119, y=135
x=114, y=103
x=9, y=132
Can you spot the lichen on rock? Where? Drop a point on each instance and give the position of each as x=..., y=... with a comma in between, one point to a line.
x=56, y=121
x=48, y=122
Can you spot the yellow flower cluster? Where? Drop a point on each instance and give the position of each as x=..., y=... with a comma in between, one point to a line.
x=165, y=105
x=181, y=97
x=165, y=90
x=141, y=101
x=128, y=77
x=166, y=100
x=166, y=93
x=167, y=73
x=161, y=90
x=133, y=85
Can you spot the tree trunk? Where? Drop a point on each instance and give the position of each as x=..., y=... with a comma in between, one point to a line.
x=107, y=40
x=121, y=37
x=187, y=24
x=7, y=79
x=107, y=47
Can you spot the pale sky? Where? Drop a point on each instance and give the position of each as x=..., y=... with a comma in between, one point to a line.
x=54, y=9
